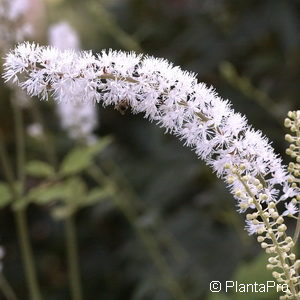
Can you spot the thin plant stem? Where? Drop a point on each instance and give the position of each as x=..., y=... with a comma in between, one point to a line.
x=70, y=230
x=20, y=213
x=72, y=253
x=146, y=238
x=297, y=230
x=27, y=254
x=7, y=169
x=22, y=228
x=20, y=145
x=6, y=288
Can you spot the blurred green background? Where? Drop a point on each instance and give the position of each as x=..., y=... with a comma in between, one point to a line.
x=249, y=50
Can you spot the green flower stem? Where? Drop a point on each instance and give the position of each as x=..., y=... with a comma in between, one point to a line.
x=147, y=239
x=20, y=214
x=6, y=288
x=297, y=230
x=72, y=255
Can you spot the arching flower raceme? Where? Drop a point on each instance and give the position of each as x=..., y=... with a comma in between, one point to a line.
x=165, y=94
x=176, y=101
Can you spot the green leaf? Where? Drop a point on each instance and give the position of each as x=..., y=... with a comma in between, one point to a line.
x=76, y=190
x=96, y=195
x=100, y=145
x=76, y=161
x=48, y=193
x=81, y=158
x=75, y=193
x=38, y=168
x=5, y=195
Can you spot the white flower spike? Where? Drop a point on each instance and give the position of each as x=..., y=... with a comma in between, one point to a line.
x=165, y=94
x=176, y=101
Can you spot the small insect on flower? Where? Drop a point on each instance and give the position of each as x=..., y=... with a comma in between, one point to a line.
x=122, y=106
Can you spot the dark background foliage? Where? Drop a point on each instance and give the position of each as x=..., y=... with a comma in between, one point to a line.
x=250, y=52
